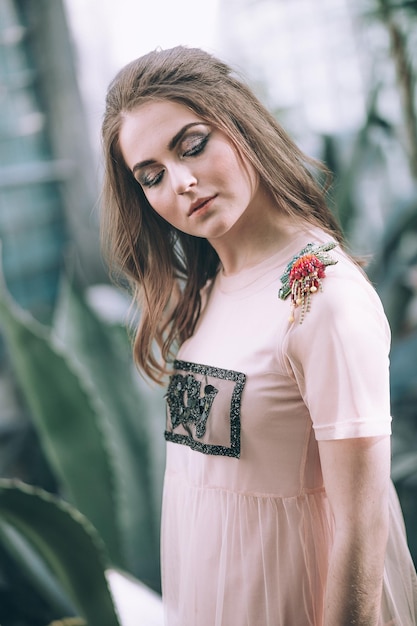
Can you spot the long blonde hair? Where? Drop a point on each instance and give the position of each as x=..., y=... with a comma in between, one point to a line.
x=166, y=268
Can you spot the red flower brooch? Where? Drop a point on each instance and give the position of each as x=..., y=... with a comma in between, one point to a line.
x=303, y=276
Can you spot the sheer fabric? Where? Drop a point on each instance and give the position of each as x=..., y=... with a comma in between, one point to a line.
x=246, y=536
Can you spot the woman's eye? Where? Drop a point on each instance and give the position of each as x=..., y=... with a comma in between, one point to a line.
x=150, y=180
x=195, y=145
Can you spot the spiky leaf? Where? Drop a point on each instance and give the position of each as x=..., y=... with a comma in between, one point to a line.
x=68, y=543
x=66, y=418
x=106, y=363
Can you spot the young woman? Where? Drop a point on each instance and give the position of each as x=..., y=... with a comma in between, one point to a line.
x=278, y=508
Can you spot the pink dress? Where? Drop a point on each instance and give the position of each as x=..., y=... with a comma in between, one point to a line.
x=246, y=525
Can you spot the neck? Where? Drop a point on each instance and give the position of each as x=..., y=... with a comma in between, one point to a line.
x=255, y=237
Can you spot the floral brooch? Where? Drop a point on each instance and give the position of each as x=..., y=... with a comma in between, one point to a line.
x=303, y=276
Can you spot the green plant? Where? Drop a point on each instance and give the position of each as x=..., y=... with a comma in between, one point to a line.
x=93, y=423
x=381, y=158
x=61, y=551
x=395, y=272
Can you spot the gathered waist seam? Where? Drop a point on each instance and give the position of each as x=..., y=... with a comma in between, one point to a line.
x=249, y=494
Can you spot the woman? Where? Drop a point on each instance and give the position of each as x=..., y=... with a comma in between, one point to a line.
x=278, y=508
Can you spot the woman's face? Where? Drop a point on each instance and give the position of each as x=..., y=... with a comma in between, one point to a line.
x=189, y=171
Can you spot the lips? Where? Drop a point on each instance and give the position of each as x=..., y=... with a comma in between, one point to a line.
x=200, y=203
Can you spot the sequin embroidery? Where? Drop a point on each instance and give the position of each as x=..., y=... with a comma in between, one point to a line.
x=190, y=398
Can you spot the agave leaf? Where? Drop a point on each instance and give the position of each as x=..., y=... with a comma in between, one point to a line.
x=66, y=418
x=69, y=621
x=35, y=569
x=106, y=363
x=68, y=543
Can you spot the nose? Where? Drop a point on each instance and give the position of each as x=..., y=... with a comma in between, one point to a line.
x=182, y=179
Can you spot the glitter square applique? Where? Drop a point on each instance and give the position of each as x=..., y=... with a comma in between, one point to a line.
x=203, y=408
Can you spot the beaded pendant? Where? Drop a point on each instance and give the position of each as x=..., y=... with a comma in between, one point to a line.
x=303, y=276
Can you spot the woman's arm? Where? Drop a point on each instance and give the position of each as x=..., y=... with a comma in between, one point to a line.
x=356, y=476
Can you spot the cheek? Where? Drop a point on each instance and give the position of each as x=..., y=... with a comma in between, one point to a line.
x=224, y=172
x=246, y=180
x=233, y=168
x=157, y=200
x=164, y=205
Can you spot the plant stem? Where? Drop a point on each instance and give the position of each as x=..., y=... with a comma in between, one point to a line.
x=405, y=81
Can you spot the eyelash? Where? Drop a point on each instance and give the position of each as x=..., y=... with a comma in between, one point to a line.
x=151, y=181
x=196, y=149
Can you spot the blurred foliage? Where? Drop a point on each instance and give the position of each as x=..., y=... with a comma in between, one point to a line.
x=56, y=546
x=78, y=380
x=375, y=194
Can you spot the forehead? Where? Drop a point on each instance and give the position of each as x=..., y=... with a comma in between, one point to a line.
x=149, y=128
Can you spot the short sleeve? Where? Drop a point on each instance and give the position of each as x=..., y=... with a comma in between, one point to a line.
x=339, y=357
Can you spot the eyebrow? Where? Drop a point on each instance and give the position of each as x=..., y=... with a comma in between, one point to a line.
x=172, y=144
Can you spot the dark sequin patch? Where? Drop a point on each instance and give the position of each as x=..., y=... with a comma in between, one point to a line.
x=190, y=397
